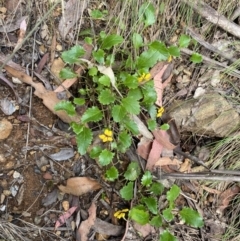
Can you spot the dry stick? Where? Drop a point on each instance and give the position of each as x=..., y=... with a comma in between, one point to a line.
x=213, y=16
x=209, y=46
x=214, y=63
x=208, y=176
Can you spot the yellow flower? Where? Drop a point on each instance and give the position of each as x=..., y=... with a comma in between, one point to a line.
x=106, y=136
x=170, y=59
x=121, y=213
x=160, y=112
x=144, y=77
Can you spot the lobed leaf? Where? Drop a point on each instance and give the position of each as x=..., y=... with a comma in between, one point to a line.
x=92, y=114
x=84, y=139
x=127, y=191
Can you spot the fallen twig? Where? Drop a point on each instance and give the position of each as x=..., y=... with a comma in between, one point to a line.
x=209, y=46
x=213, y=16
x=215, y=64
x=204, y=176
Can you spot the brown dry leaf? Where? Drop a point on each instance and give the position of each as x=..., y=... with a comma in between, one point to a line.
x=166, y=161
x=73, y=10
x=145, y=230
x=83, y=230
x=57, y=66
x=185, y=166
x=226, y=197
x=79, y=185
x=161, y=72
x=161, y=137
x=154, y=155
x=49, y=97
x=23, y=28
x=144, y=147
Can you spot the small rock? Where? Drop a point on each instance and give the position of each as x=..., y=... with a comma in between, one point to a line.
x=5, y=129
x=47, y=176
x=16, y=174
x=2, y=158
x=210, y=115
x=37, y=220
x=65, y=205
x=6, y=192
x=2, y=198
x=199, y=92
x=9, y=165
x=215, y=80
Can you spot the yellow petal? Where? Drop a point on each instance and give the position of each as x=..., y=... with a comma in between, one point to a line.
x=109, y=139
x=102, y=136
x=117, y=213
x=148, y=76
x=108, y=132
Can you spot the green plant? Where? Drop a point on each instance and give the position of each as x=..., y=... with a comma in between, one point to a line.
x=147, y=209
x=112, y=94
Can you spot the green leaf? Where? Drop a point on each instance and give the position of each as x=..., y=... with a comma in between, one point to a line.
x=131, y=125
x=105, y=157
x=67, y=73
x=112, y=174
x=196, y=58
x=137, y=40
x=165, y=127
x=104, y=80
x=139, y=215
x=72, y=56
x=88, y=40
x=167, y=214
x=156, y=221
x=99, y=56
x=133, y=171
x=174, y=51
x=163, y=53
x=167, y=236
x=93, y=71
x=84, y=139
x=147, y=59
x=184, y=41
x=127, y=191
x=146, y=179
x=147, y=14
x=131, y=82
x=131, y=105
x=152, y=110
x=124, y=141
x=151, y=204
x=149, y=94
x=106, y=97
x=67, y=106
x=173, y=193
x=191, y=217
x=152, y=124
x=92, y=114
x=118, y=113
x=110, y=59
x=97, y=14
x=79, y=101
x=95, y=152
x=77, y=128
x=135, y=93
x=156, y=188
x=111, y=41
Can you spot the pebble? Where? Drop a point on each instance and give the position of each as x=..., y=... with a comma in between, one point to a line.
x=65, y=205
x=47, y=176
x=5, y=129
x=199, y=92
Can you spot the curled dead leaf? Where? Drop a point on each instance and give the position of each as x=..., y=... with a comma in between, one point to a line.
x=165, y=161
x=79, y=185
